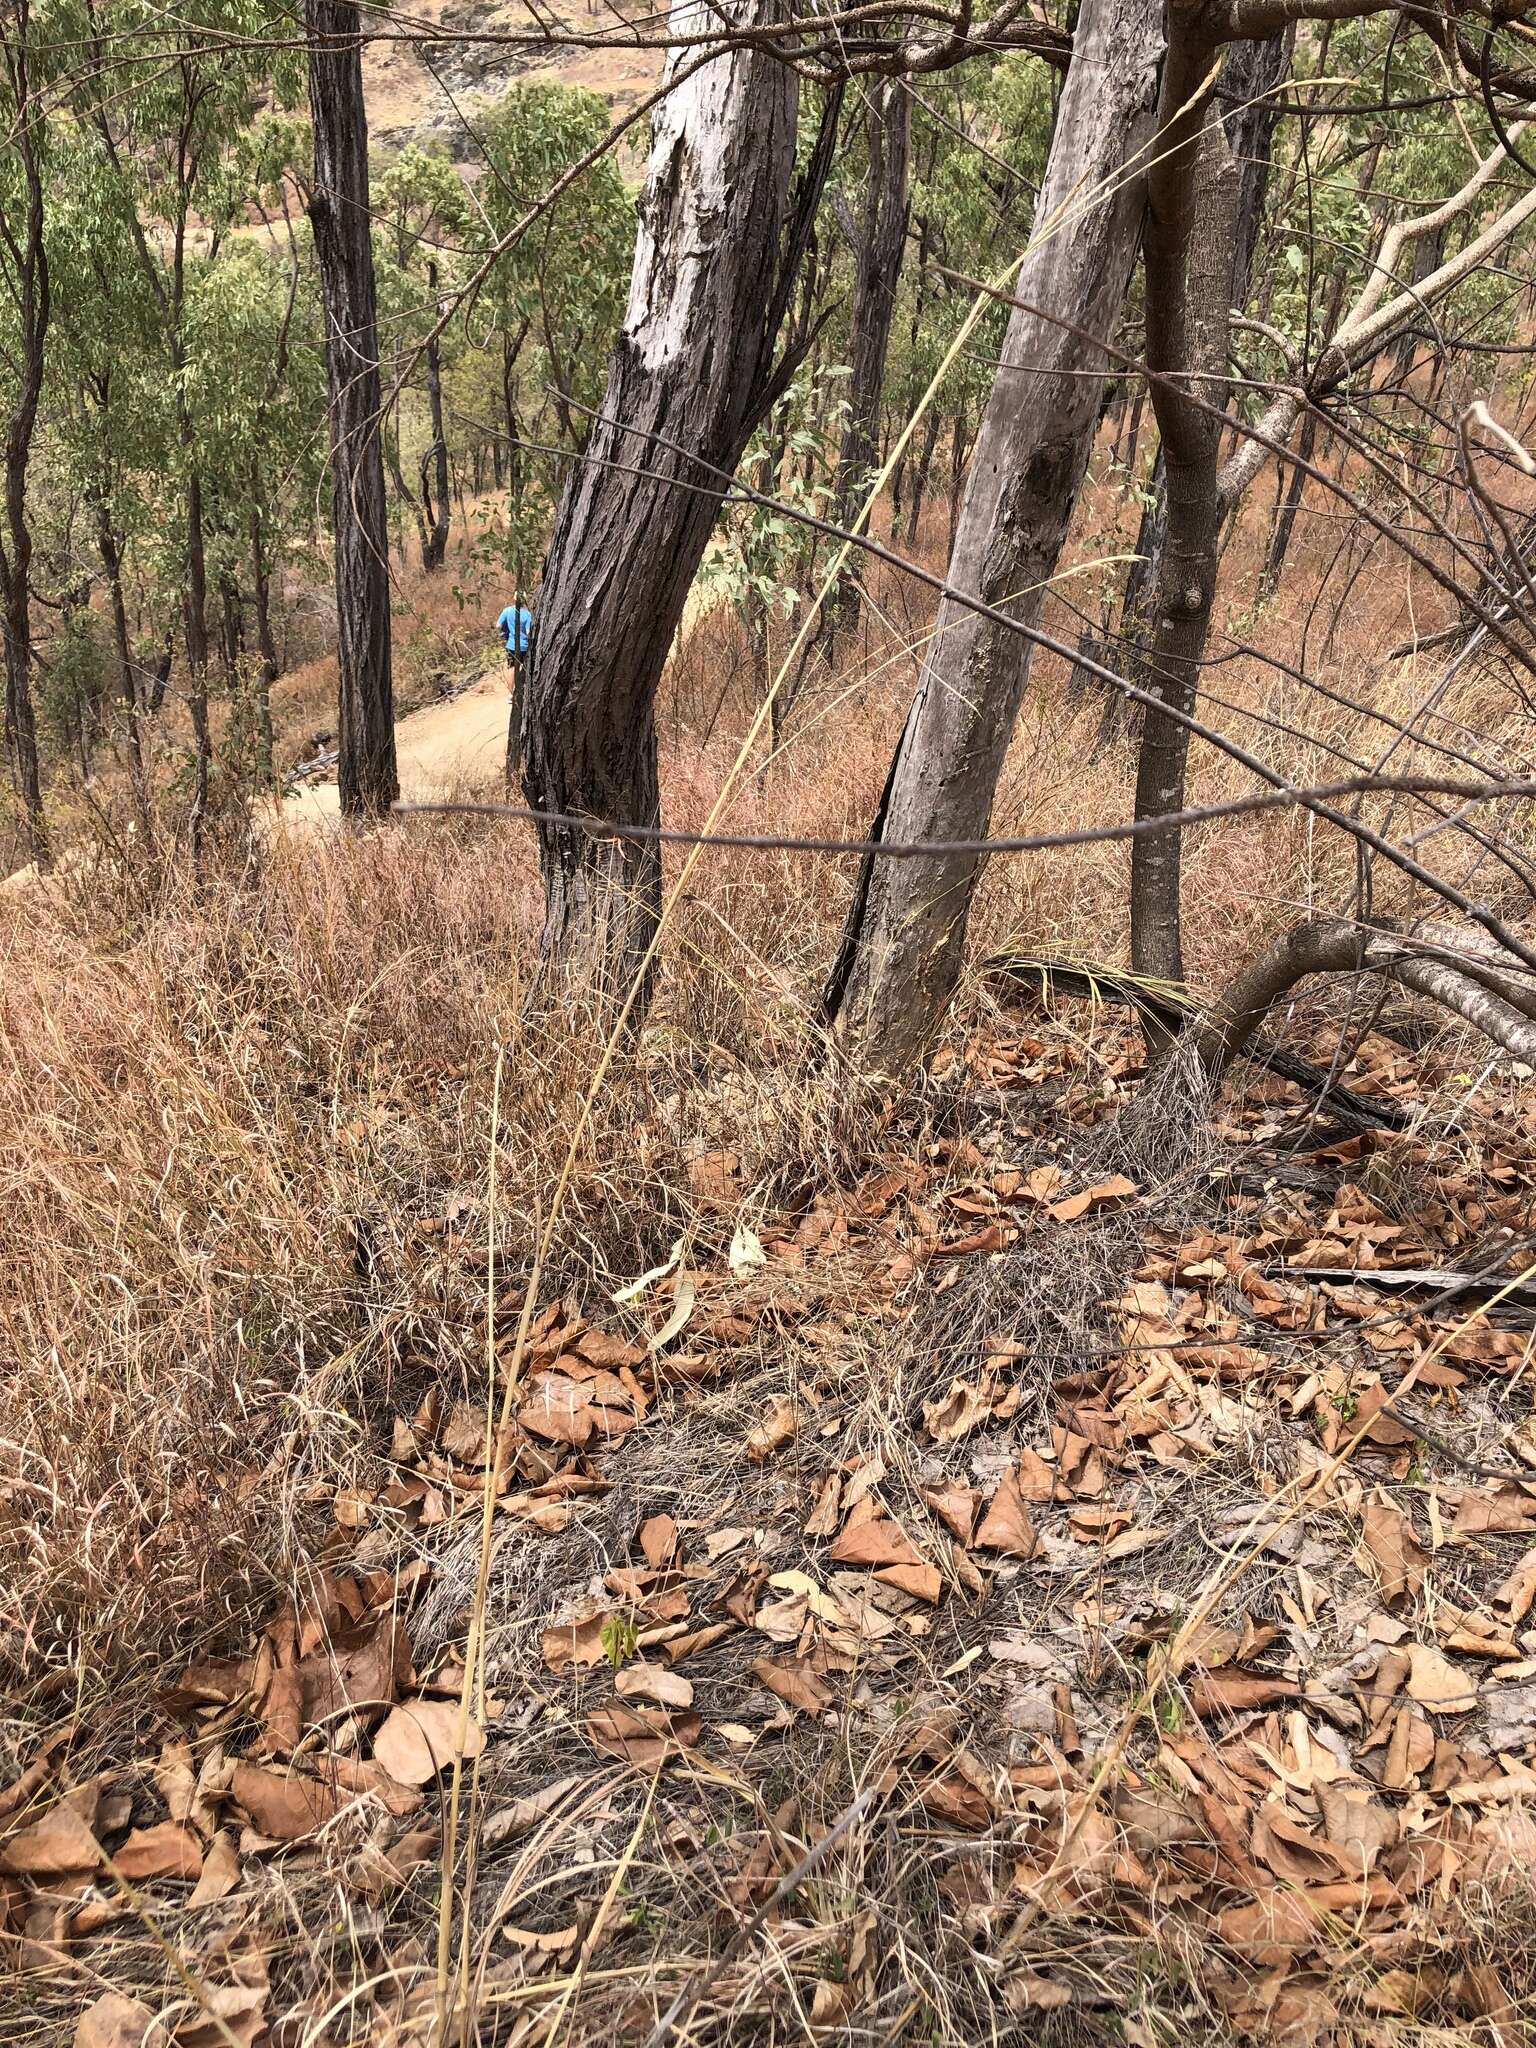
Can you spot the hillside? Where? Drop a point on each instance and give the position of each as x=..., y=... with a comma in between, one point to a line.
x=425, y=95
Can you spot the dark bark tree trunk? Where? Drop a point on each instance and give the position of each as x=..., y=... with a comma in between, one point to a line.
x=366, y=768
x=719, y=243
x=878, y=247
x=109, y=548
x=195, y=616
x=1288, y=507
x=1247, y=96
x=434, y=463
x=26, y=266
x=902, y=947
x=1191, y=200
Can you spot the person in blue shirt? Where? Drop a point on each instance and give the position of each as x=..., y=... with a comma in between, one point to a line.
x=516, y=629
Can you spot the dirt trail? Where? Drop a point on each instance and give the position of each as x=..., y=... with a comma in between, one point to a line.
x=455, y=745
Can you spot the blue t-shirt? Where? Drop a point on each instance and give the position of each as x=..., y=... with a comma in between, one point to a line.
x=515, y=627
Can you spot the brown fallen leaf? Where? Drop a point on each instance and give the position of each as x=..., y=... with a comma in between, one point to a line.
x=1235, y=1691
x=922, y=1581
x=508, y=1822
x=1391, y=1542
x=1006, y=1526
x=654, y=1682
x=1435, y=1682
x=1358, y=1825
x=421, y=1737
x=643, y=1737
x=958, y=1412
x=658, y=1540
x=955, y=1799
x=1103, y=1194
x=878, y=1542
x=221, y=1872
x=283, y=1805
x=774, y=1431
x=166, y=1850
x=956, y=1508
x=552, y=1941
x=794, y=1682
x=577, y=1644
x=58, y=1844
x=113, y=2021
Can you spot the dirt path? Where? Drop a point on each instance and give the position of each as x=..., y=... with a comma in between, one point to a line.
x=455, y=745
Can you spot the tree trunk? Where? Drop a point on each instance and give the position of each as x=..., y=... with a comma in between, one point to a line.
x=1250, y=75
x=901, y=950
x=339, y=212
x=28, y=282
x=434, y=464
x=195, y=614
x=877, y=273
x=109, y=547
x=718, y=246
x=1192, y=198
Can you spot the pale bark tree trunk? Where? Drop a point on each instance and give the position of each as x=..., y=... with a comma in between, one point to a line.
x=365, y=764
x=692, y=372
x=901, y=949
x=878, y=244
x=27, y=279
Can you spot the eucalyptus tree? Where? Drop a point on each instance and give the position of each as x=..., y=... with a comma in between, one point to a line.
x=339, y=213
x=26, y=35
x=696, y=364
x=905, y=933
x=419, y=209
x=174, y=126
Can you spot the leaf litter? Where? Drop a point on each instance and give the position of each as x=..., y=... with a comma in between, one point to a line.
x=1168, y=1645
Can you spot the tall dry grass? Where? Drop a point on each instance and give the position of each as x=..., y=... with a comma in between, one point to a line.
x=235, y=1110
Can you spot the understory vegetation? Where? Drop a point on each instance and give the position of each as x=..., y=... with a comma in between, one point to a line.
x=837, y=1342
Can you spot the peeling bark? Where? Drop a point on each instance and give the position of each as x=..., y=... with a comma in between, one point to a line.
x=719, y=244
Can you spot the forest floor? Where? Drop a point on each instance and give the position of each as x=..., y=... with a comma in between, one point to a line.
x=1038, y=1585
x=1046, y=1561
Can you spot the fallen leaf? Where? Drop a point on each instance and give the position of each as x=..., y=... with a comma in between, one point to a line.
x=1103, y=1194
x=774, y=1431
x=1006, y=1526
x=683, y=1294
x=1235, y=1691
x=578, y=1643
x=421, y=1737
x=283, y=1805
x=221, y=1872
x=654, y=1682
x=958, y=1412
x=875, y=1542
x=1358, y=1825
x=794, y=1682
x=113, y=2021
x=956, y=1508
x=1435, y=1682
x=658, y=1540
x=166, y=1850
x=641, y=1737
x=510, y=1821
x=746, y=1252
x=1390, y=1539
x=58, y=1844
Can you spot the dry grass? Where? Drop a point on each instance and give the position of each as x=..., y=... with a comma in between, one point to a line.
x=233, y=1119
